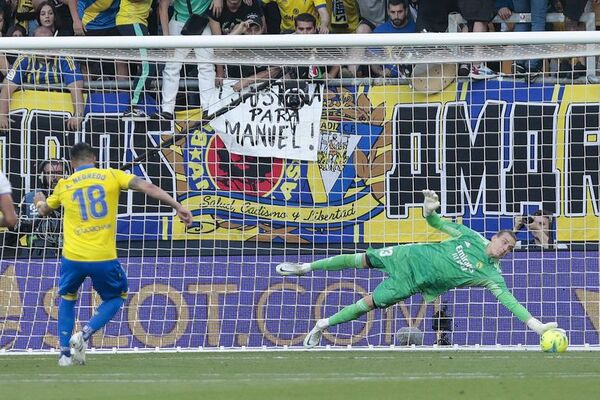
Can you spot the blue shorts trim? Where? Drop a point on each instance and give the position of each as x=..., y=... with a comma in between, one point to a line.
x=108, y=278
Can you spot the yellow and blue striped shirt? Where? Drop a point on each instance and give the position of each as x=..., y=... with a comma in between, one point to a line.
x=98, y=14
x=44, y=70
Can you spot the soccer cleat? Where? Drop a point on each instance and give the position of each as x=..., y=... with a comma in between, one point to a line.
x=135, y=114
x=481, y=71
x=79, y=346
x=314, y=336
x=287, y=268
x=65, y=361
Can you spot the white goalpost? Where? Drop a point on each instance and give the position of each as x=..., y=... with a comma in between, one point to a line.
x=296, y=157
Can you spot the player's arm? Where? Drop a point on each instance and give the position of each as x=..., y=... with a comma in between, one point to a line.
x=509, y=301
x=78, y=27
x=269, y=73
x=432, y=203
x=150, y=189
x=41, y=203
x=9, y=216
x=163, y=14
x=8, y=88
x=324, y=18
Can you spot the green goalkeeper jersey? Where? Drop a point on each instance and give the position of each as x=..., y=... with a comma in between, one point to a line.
x=460, y=261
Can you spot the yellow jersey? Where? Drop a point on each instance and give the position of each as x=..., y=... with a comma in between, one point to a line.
x=290, y=9
x=344, y=15
x=90, y=199
x=134, y=12
x=97, y=14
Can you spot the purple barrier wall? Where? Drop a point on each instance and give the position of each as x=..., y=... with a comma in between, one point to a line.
x=238, y=301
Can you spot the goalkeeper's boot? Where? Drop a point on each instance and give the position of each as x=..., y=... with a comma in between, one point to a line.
x=314, y=336
x=79, y=346
x=288, y=268
x=65, y=361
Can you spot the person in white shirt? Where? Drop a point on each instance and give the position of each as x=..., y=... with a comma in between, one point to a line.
x=9, y=217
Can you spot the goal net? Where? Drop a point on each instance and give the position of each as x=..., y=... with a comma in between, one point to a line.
x=295, y=148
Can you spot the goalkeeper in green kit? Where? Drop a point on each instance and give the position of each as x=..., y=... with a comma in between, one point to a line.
x=466, y=259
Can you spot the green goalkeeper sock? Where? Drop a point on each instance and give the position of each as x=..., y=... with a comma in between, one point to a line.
x=349, y=313
x=338, y=263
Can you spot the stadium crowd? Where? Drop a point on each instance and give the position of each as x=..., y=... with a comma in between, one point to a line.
x=247, y=17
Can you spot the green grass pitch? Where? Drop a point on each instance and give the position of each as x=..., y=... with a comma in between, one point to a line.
x=327, y=375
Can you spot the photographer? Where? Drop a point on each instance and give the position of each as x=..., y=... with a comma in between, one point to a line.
x=44, y=234
x=539, y=225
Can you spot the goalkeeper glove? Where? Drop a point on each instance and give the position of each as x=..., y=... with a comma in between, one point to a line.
x=431, y=203
x=536, y=325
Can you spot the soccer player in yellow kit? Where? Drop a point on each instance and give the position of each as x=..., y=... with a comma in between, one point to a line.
x=90, y=198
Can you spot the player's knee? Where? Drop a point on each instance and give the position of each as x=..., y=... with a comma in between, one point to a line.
x=113, y=297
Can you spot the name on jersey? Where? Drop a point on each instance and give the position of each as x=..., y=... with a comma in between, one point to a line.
x=462, y=260
x=90, y=175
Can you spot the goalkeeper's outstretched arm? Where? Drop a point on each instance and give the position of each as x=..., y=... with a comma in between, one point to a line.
x=509, y=301
x=432, y=203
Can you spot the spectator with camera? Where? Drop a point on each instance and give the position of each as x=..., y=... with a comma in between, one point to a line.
x=539, y=227
x=44, y=235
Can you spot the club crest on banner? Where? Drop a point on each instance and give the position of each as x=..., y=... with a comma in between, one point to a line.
x=266, y=198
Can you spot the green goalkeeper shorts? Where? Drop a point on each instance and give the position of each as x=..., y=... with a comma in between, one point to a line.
x=400, y=284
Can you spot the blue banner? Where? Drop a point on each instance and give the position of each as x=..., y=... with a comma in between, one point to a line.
x=240, y=301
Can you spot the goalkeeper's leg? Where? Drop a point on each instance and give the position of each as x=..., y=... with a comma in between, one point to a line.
x=348, y=313
x=390, y=291
x=336, y=263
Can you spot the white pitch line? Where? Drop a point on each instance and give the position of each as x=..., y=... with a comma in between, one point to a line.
x=278, y=378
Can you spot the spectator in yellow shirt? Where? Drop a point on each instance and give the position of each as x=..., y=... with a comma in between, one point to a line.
x=290, y=9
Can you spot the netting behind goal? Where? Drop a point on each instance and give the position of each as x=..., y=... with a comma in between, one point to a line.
x=297, y=163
